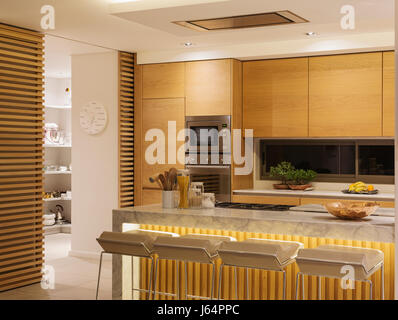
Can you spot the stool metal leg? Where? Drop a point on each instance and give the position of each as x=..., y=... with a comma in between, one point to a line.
x=186, y=280
x=284, y=284
x=213, y=278
x=319, y=288
x=370, y=289
x=150, y=281
x=99, y=275
x=297, y=284
x=382, y=281
x=236, y=283
x=302, y=287
x=155, y=278
x=219, y=281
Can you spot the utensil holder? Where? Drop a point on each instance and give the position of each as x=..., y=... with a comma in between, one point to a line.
x=169, y=199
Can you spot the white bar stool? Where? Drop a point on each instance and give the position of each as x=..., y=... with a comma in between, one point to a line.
x=328, y=261
x=265, y=254
x=135, y=243
x=188, y=248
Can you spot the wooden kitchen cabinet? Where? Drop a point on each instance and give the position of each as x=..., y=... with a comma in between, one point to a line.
x=208, y=87
x=151, y=196
x=275, y=97
x=388, y=93
x=345, y=95
x=164, y=80
x=155, y=115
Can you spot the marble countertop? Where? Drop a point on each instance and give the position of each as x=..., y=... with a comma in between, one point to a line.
x=309, y=224
x=315, y=194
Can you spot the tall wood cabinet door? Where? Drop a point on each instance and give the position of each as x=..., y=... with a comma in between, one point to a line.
x=388, y=93
x=345, y=95
x=275, y=97
x=164, y=80
x=208, y=87
x=155, y=115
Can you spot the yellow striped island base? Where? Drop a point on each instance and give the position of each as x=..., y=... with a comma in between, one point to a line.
x=265, y=285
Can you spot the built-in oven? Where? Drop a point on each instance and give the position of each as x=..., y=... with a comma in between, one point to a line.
x=209, y=134
x=208, y=154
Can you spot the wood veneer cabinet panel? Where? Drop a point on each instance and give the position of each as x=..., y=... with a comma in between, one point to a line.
x=164, y=80
x=155, y=115
x=345, y=95
x=275, y=97
x=151, y=196
x=208, y=87
x=388, y=93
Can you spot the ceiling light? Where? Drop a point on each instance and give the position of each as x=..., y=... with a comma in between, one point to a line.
x=311, y=34
x=188, y=44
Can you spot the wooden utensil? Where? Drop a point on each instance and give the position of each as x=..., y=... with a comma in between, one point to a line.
x=163, y=181
x=173, y=178
x=166, y=176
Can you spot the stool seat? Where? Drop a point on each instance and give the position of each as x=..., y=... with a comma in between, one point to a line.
x=134, y=243
x=259, y=253
x=191, y=247
x=327, y=260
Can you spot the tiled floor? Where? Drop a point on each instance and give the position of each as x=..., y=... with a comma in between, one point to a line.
x=75, y=278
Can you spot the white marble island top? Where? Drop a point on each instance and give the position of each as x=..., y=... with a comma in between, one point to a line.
x=309, y=224
x=381, y=196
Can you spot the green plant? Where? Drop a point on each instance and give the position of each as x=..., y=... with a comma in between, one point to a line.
x=301, y=176
x=282, y=171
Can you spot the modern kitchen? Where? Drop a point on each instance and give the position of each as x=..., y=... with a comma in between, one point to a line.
x=233, y=151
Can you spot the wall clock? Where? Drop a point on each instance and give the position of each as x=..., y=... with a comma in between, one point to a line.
x=93, y=118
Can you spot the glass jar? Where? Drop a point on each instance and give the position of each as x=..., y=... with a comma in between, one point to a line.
x=208, y=200
x=183, y=187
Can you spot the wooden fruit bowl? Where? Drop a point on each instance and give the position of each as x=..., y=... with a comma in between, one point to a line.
x=351, y=210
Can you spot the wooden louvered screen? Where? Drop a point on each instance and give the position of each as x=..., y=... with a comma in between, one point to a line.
x=21, y=157
x=126, y=129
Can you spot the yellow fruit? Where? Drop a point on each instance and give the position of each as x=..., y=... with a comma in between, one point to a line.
x=370, y=187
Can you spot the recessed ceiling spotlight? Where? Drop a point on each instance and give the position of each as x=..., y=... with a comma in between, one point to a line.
x=188, y=44
x=311, y=34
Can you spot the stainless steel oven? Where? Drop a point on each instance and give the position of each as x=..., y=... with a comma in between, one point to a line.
x=208, y=156
x=208, y=133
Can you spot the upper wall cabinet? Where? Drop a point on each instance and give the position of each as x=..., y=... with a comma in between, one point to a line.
x=208, y=87
x=275, y=97
x=388, y=93
x=345, y=95
x=165, y=80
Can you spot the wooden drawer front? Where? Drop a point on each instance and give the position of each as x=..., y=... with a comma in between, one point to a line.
x=292, y=201
x=208, y=87
x=151, y=196
x=275, y=97
x=388, y=93
x=164, y=80
x=345, y=95
x=383, y=204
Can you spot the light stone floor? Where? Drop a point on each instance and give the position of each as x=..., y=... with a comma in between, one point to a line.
x=75, y=278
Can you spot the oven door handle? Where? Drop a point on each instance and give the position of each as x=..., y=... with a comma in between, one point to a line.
x=207, y=167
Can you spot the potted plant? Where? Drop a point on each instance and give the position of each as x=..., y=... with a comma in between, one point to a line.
x=300, y=179
x=282, y=172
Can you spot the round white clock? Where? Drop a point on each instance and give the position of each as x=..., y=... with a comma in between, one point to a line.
x=93, y=118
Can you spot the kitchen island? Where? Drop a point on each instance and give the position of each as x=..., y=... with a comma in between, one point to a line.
x=311, y=228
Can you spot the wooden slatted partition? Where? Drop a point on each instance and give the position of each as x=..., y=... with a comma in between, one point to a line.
x=21, y=157
x=126, y=129
x=266, y=285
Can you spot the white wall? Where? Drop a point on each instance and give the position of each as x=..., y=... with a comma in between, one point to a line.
x=94, y=157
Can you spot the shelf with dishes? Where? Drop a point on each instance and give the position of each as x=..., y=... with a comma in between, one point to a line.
x=49, y=145
x=57, y=196
x=58, y=172
x=60, y=107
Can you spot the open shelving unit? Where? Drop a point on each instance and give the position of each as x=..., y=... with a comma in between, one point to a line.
x=57, y=110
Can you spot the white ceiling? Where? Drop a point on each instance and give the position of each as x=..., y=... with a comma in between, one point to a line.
x=144, y=26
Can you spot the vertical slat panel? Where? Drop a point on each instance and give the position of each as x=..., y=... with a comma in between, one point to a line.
x=21, y=157
x=267, y=285
x=126, y=129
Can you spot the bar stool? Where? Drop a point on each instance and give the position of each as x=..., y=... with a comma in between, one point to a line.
x=135, y=243
x=188, y=248
x=265, y=254
x=328, y=261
